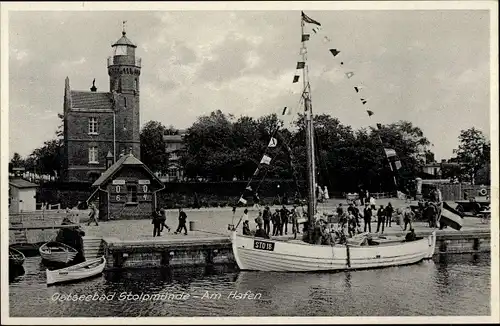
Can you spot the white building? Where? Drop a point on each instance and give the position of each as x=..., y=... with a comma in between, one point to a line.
x=22, y=196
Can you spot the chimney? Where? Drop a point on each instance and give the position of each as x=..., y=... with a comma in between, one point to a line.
x=93, y=88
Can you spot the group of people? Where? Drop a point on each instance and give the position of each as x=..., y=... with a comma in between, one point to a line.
x=160, y=218
x=279, y=219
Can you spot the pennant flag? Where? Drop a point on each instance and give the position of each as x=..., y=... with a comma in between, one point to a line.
x=301, y=65
x=242, y=200
x=326, y=39
x=389, y=152
x=370, y=113
x=349, y=74
x=286, y=111
x=316, y=30
x=273, y=142
x=305, y=37
x=296, y=78
x=356, y=88
x=256, y=172
x=379, y=125
x=334, y=52
x=397, y=164
x=249, y=188
x=451, y=217
x=363, y=100
x=265, y=160
x=309, y=20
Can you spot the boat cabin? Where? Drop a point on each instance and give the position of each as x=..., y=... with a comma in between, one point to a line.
x=126, y=190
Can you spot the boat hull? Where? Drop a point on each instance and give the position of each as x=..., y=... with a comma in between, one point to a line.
x=274, y=255
x=64, y=254
x=16, y=258
x=80, y=271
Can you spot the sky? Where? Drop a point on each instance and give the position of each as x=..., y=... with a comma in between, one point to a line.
x=430, y=67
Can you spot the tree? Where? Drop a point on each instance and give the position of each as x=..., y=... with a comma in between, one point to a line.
x=47, y=159
x=16, y=162
x=473, y=152
x=153, y=150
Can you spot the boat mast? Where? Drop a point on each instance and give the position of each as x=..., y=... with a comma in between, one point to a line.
x=311, y=175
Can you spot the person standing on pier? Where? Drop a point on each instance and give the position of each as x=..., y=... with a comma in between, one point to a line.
x=276, y=222
x=367, y=217
x=388, y=215
x=267, y=219
x=182, y=222
x=380, y=218
x=295, y=222
x=284, y=220
x=408, y=217
x=93, y=215
x=156, y=223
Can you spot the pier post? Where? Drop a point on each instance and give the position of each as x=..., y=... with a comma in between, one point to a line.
x=476, y=244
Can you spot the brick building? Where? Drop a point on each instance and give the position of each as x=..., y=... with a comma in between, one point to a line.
x=101, y=125
x=126, y=190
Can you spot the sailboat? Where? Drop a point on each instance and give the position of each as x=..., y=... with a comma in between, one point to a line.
x=259, y=254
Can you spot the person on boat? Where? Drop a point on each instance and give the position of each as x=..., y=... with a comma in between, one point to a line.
x=340, y=210
x=429, y=214
x=410, y=236
x=156, y=221
x=163, y=220
x=266, y=216
x=388, y=215
x=408, y=216
x=276, y=217
x=380, y=218
x=182, y=222
x=93, y=215
x=245, y=226
x=73, y=237
x=284, y=220
x=367, y=217
x=256, y=200
x=259, y=220
x=351, y=225
x=261, y=233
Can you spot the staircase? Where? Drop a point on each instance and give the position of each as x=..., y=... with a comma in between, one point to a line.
x=92, y=247
x=19, y=236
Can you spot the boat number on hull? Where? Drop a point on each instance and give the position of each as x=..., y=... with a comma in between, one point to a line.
x=262, y=245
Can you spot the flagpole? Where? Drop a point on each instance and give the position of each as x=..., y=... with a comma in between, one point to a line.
x=309, y=134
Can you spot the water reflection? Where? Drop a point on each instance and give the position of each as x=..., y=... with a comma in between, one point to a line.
x=455, y=286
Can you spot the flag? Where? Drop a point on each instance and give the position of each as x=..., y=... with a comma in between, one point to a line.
x=249, y=188
x=301, y=65
x=349, y=74
x=401, y=195
x=334, y=52
x=273, y=142
x=356, y=88
x=379, y=126
x=305, y=37
x=265, y=160
x=370, y=113
x=309, y=20
x=451, y=217
x=326, y=39
x=242, y=200
x=389, y=152
x=363, y=100
x=256, y=172
x=316, y=30
x=296, y=78
x=397, y=164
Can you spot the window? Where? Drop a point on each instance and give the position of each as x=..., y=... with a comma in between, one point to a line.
x=124, y=102
x=172, y=173
x=93, y=125
x=132, y=193
x=93, y=155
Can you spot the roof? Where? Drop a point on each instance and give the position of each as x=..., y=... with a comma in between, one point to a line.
x=173, y=138
x=91, y=100
x=124, y=41
x=126, y=160
x=21, y=183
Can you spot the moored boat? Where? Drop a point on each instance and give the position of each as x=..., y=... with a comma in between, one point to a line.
x=16, y=258
x=80, y=271
x=57, y=252
x=294, y=256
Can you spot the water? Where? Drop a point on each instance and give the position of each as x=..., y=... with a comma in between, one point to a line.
x=457, y=286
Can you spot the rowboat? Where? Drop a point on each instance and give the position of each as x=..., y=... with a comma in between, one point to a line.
x=76, y=272
x=297, y=256
x=57, y=252
x=16, y=258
